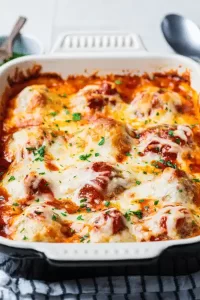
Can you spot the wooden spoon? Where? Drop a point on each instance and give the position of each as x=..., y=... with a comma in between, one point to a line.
x=6, y=50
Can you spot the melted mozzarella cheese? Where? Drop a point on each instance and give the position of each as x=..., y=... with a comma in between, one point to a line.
x=53, y=138
x=163, y=222
x=172, y=189
x=155, y=106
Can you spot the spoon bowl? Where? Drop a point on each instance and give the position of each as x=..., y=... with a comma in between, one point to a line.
x=182, y=34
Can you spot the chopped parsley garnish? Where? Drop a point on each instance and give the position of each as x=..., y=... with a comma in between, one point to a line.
x=130, y=213
x=80, y=218
x=25, y=238
x=196, y=180
x=38, y=212
x=157, y=114
x=11, y=178
x=107, y=203
x=180, y=191
x=53, y=113
x=138, y=182
x=102, y=141
x=76, y=117
x=171, y=133
x=53, y=134
x=42, y=173
x=63, y=214
x=118, y=81
x=15, y=204
x=166, y=163
x=88, y=209
x=82, y=205
x=156, y=202
x=177, y=140
x=84, y=237
x=83, y=200
x=138, y=213
x=31, y=148
x=64, y=95
x=128, y=154
x=193, y=223
x=40, y=152
x=37, y=200
x=84, y=156
x=54, y=218
x=141, y=200
x=170, y=164
x=96, y=154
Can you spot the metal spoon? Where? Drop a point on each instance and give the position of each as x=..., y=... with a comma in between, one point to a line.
x=6, y=47
x=183, y=35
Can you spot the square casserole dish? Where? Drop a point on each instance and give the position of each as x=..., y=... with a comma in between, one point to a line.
x=51, y=261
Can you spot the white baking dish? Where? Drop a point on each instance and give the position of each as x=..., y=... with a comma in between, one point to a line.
x=104, y=62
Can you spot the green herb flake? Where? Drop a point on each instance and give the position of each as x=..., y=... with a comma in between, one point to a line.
x=84, y=238
x=138, y=182
x=53, y=113
x=38, y=212
x=118, y=81
x=102, y=141
x=25, y=238
x=178, y=141
x=141, y=200
x=54, y=218
x=64, y=95
x=42, y=173
x=85, y=156
x=96, y=154
x=37, y=200
x=128, y=154
x=170, y=164
x=88, y=209
x=156, y=202
x=31, y=148
x=107, y=203
x=196, y=180
x=63, y=214
x=76, y=117
x=11, y=178
x=15, y=204
x=138, y=213
x=130, y=213
x=83, y=200
x=171, y=133
x=53, y=134
x=80, y=218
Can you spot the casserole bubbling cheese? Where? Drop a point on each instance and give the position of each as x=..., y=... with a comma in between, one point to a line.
x=101, y=159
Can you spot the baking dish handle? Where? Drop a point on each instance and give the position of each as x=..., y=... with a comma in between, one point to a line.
x=93, y=42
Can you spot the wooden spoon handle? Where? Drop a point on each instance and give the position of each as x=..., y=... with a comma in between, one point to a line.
x=16, y=29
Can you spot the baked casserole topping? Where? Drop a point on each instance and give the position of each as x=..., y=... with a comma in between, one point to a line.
x=101, y=159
